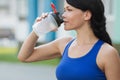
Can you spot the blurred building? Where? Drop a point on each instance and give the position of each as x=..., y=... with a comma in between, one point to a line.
x=13, y=22
x=17, y=18
x=112, y=13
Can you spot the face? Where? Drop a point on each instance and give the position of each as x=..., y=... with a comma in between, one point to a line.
x=73, y=18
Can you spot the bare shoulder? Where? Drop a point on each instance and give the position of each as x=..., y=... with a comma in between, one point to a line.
x=64, y=39
x=61, y=42
x=109, y=59
x=109, y=51
x=109, y=55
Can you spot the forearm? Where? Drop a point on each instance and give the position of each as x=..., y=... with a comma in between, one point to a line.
x=27, y=47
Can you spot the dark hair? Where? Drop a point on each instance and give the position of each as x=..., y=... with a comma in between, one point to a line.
x=98, y=20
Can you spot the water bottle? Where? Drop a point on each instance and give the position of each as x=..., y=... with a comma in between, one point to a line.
x=49, y=23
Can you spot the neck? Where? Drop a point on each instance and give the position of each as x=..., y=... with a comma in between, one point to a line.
x=85, y=35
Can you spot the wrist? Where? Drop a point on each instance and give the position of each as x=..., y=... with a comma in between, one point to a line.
x=34, y=34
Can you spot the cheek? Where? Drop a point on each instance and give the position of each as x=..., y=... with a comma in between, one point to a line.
x=76, y=22
x=70, y=24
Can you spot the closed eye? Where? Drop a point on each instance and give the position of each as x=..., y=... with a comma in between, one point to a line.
x=67, y=10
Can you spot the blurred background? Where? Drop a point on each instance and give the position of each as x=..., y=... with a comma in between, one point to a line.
x=16, y=20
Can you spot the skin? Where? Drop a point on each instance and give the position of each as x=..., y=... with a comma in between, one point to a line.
x=107, y=60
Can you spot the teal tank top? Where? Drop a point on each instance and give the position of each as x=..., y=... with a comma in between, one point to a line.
x=82, y=68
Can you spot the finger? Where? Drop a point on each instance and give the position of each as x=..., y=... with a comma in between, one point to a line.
x=38, y=19
x=44, y=15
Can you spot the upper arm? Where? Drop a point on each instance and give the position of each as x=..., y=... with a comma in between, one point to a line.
x=48, y=51
x=112, y=64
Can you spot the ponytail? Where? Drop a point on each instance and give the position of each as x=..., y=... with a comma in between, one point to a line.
x=99, y=29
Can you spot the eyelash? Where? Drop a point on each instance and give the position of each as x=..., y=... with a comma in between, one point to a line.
x=68, y=10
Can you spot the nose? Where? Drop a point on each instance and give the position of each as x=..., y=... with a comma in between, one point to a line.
x=63, y=15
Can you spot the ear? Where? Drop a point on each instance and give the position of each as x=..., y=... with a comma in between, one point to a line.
x=87, y=15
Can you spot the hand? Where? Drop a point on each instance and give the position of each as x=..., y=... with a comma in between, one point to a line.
x=43, y=16
x=44, y=24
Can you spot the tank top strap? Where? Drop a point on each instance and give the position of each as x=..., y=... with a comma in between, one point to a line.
x=67, y=46
x=96, y=48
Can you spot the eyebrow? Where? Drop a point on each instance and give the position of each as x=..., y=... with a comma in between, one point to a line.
x=66, y=7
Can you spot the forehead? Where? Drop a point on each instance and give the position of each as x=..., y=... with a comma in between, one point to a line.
x=67, y=5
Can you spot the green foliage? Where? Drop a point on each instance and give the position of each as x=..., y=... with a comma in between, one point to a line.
x=8, y=50
x=8, y=57
x=117, y=46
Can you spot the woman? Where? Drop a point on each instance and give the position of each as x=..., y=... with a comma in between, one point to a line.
x=89, y=56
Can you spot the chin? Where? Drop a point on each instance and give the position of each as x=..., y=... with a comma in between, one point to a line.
x=67, y=29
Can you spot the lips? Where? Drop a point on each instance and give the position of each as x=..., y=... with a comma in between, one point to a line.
x=65, y=21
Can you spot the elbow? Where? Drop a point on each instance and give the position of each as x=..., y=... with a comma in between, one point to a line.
x=21, y=59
